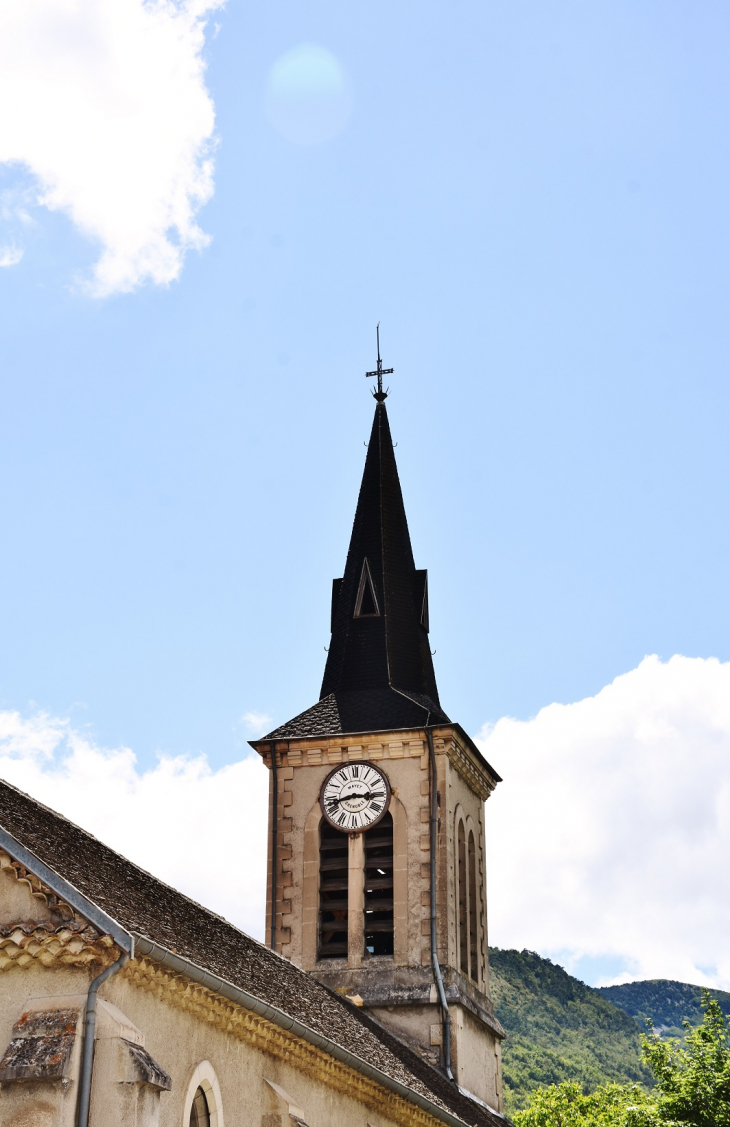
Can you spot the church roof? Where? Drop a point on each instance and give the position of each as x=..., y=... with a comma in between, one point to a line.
x=379, y=674
x=135, y=900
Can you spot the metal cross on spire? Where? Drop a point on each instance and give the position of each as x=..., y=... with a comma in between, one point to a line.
x=380, y=371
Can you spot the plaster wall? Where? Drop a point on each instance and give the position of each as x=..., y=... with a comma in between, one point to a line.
x=251, y=1081
x=476, y=1054
x=475, y=1049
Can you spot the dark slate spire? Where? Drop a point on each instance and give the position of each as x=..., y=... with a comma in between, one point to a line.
x=383, y=644
x=379, y=673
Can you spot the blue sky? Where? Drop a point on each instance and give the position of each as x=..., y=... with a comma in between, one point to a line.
x=532, y=199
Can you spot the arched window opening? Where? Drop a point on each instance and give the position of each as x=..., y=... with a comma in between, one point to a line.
x=379, y=887
x=463, y=917
x=200, y=1112
x=333, y=868
x=473, y=963
x=202, y=1106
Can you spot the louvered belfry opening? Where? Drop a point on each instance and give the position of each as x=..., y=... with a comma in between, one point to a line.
x=379, y=888
x=333, y=867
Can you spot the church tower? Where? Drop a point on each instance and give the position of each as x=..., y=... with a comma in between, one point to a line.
x=376, y=863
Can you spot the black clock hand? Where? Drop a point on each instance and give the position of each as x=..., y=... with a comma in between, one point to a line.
x=365, y=794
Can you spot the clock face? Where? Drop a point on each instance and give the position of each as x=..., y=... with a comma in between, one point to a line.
x=354, y=797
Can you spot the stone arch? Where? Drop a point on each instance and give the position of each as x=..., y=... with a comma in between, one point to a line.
x=471, y=854
x=475, y=906
x=462, y=893
x=310, y=883
x=204, y=1077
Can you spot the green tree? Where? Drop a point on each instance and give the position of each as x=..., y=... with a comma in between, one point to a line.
x=692, y=1086
x=693, y=1077
x=566, y=1105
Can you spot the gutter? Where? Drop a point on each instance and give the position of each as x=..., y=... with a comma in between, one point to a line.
x=180, y=965
x=445, y=1015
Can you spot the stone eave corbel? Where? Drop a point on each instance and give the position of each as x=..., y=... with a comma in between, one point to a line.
x=465, y=758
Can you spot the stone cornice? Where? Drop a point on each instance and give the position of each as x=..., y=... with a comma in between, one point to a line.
x=264, y=1035
x=465, y=764
x=316, y=751
x=402, y=743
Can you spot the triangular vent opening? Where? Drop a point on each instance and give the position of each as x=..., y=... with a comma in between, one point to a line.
x=366, y=603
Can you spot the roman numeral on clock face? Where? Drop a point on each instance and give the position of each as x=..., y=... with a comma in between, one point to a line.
x=355, y=796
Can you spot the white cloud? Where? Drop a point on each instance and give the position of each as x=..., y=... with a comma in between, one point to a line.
x=610, y=835
x=202, y=831
x=104, y=102
x=608, y=839
x=256, y=724
x=10, y=255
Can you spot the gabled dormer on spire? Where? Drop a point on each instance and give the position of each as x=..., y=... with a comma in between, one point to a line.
x=379, y=673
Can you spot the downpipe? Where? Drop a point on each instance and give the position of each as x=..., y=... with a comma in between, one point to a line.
x=274, y=840
x=87, y=1057
x=445, y=1015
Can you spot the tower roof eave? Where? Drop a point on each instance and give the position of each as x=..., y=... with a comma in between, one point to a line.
x=438, y=727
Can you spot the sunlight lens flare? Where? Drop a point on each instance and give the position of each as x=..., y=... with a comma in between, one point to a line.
x=308, y=96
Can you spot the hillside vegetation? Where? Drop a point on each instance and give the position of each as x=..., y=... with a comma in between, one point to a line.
x=664, y=1002
x=558, y=1029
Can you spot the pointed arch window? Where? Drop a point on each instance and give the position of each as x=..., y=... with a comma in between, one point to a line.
x=366, y=603
x=463, y=900
x=473, y=964
x=200, y=1112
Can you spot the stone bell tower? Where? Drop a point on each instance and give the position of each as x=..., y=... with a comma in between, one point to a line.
x=392, y=914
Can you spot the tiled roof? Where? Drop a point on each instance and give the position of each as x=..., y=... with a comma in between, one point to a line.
x=369, y=710
x=141, y=903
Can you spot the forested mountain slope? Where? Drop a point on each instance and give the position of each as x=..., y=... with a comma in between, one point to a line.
x=664, y=1002
x=558, y=1029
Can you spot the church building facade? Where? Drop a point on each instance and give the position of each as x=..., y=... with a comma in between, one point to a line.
x=122, y=1002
